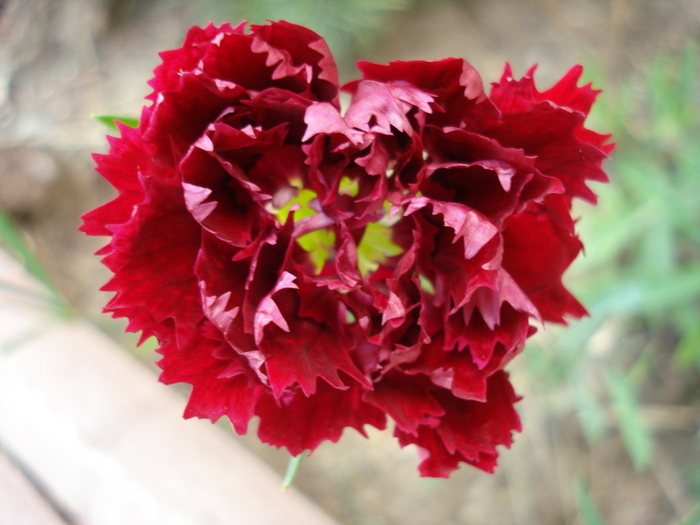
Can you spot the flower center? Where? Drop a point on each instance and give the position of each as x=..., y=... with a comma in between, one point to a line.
x=373, y=250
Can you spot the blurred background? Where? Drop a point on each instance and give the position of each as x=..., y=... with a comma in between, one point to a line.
x=611, y=405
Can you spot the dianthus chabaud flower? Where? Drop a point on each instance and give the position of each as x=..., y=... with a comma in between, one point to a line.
x=323, y=269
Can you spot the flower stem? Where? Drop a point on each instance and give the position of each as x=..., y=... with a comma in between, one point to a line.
x=292, y=469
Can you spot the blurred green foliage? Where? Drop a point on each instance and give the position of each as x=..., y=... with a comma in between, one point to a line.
x=640, y=278
x=643, y=242
x=693, y=518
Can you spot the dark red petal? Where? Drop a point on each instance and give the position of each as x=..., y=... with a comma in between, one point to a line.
x=220, y=387
x=469, y=431
x=219, y=202
x=549, y=126
x=304, y=353
x=537, y=250
x=436, y=461
x=292, y=49
x=168, y=75
x=451, y=369
x=566, y=93
x=302, y=423
x=513, y=96
x=180, y=117
x=407, y=400
x=129, y=157
x=153, y=258
x=473, y=332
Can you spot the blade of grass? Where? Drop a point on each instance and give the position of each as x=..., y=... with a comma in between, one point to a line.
x=11, y=238
x=587, y=511
x=635, y=434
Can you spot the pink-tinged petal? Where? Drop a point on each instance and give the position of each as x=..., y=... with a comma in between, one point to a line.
x=449, y=77
x=323, y=118
x=394, y=311
x=468, y=225
x=376, y=161
x=488, y=300
x=268, y=311
x=300, y=423
x=346, y=261
x=378, y=107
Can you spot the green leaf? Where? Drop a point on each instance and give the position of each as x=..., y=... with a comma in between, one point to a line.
x=587, y=511
x=635, y=434
x=111, y=121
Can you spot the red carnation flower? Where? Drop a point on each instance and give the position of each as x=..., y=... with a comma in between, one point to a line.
x=323, y=270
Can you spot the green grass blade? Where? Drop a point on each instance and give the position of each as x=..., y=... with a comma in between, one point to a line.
x=589, y=514
x=635, y=434
x=11, y=239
